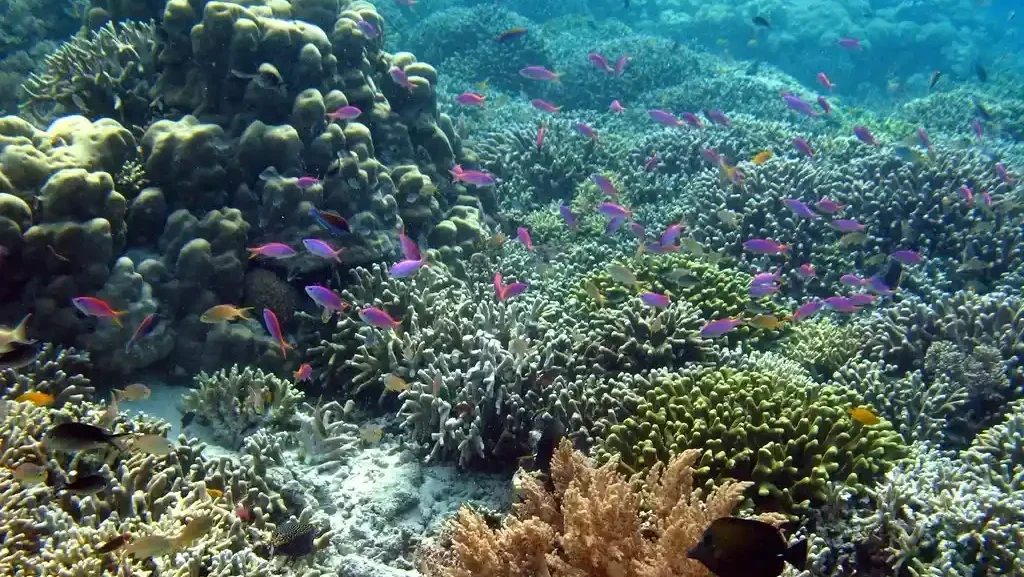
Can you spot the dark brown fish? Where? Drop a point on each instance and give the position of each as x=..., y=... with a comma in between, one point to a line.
x=734, y=547
x=19, y=355
x=935, y=78
x=761, y=21
x=114, y=544
x=512, y=34
x=293, y=539
x=86, y=485
x=75, y=437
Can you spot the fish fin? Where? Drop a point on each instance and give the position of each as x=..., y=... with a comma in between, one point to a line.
x=797, y=554
x=242, y=314
x=116, y=318
x=19, y=334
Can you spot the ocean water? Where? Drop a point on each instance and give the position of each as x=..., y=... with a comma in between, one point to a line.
x=470, y=288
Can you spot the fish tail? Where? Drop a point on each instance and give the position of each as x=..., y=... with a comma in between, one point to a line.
x=797, y=554
x=19, y=334
x=253, y=253
x=242, y=314
x=115, y=316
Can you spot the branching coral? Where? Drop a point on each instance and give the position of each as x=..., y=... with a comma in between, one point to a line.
x=595, y=523
x=56, y=371
x=235, y=403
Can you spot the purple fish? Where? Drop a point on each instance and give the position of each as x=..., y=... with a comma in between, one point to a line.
x=825, y=106
x=691, y=119
x=765, y=278
x=762, y=290
x=638, y=230
x=274, y=328
x=907, y=257
x=322, y=249
x=378, y=318
x=544, y=105
x=400, y=78
x=333, y=222
x=585, y=130
x=765, y=246
x=146, y=328
x=621, y=63
x=345, y=113
x=613, y=210
x=711, y=155
x=471, y=99
x=877, y=286
x=671, y=234
x=717, y=117
x=325, y=297
x=845, y=225
x=570, y=219
x=979, y=130
x=655, y=300
x=829, y=206
x=271, y=250
x=664, y=117
x=539, y=73
x=922, y=136
x=849, y=43
x=410, y=250
x=807, y=310
x=406, y=268
x=307, y=181
x=1003, y=174
x=803, y=146
x=368, y=29
x=474, y=177
x=864, y=135
x=599, y=62
x=614, y=224
x=851, y=280
x=718, y=328
x=604, y=184
x=523, y=236
x=841, y=304
x=799, y=208
x=862, y=299
x=794, y=102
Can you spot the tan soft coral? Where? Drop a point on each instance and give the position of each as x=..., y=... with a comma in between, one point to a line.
x=596, y=523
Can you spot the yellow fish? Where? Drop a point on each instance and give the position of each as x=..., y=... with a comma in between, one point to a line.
x=621, y=274
x=150, y=546
x=762, y=157
x=853, y=238
x=767, y=322
x=133, y=392
x=863, y=416
x=224, y=313
x=30, y=474
x=372, y=434
x=594, y=293
x=15, y=335
x=395, y=383
x=482, y=86
x=215, y=493
x=193, y=531
x=36, y=398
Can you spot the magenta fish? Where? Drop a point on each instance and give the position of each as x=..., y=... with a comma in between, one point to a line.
x=621, y=63
x=344, y=113
x=305, y=182
x=864, y=135
x=829, y=206
x=841, y=304
x=671, y=234
x=877, y=286
x=570, y=219
x=604, y=184
x=523, y=236
x=762, y=290
x=922, y=137
x=797, y=104
x=410, y=250
x=803, y=146
x=638, y=231
x=691, y=119
x=849, y=43
x=664, y=117
x=764, y=278
x=613, y=210
x=806, y=271
x=652, y=162
x=712, y=156
x=599, y=62
x=824, y=81
x=616, y=107
x=368, y=29
x=544, y=105
x=799, y=208
x=586, y=130
x=765, y=246
x=540, y=137
x=474, y=177
x=145, y=328
x=539, y=73
x=845, y=225
x=978, y=129
x=614, y=224
x=322, y=249
x=1003, y=174
x=807, y=310
x=274, y=328
x=378, y=318
x=656, y=300
x=271, y=250
x=824, y=104
x=719, y=327
x=400, y=78
x=505, y=292
x=986, y=198
x=907, y=257
x=717, y=117
x=325, y=297
x=851, y=280
x=471, y=99
x=406, y=268
x=862, y=299
x=966, y=193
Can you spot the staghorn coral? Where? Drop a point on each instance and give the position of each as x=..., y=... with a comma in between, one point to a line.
x=235, y=403
x=594, y=523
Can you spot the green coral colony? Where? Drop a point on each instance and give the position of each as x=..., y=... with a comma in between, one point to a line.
x=290, y=296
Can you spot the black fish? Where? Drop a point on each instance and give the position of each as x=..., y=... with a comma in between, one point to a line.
x=85, y=485
x=114, y=544
x=893, y=275
x=293, y=539
x=75, y=437
x=734, y=547
x=935, y=78
x=187, y=419
x=981, y=72
x=550, y=436
x=20, y=355
x=761, y=21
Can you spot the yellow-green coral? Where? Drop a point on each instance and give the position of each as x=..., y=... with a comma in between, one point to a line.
x=789, y=439
x=822, y=346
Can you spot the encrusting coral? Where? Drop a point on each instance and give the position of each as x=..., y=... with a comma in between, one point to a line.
x=596, y=523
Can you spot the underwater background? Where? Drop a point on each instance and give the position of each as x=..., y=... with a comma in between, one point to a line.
x=500, y=287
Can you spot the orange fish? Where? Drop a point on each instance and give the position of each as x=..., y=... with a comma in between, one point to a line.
x=215, y=493
x=762, y=157
x=223, y=313
x=512, y=34
x=36, y=398
x=863, y=416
